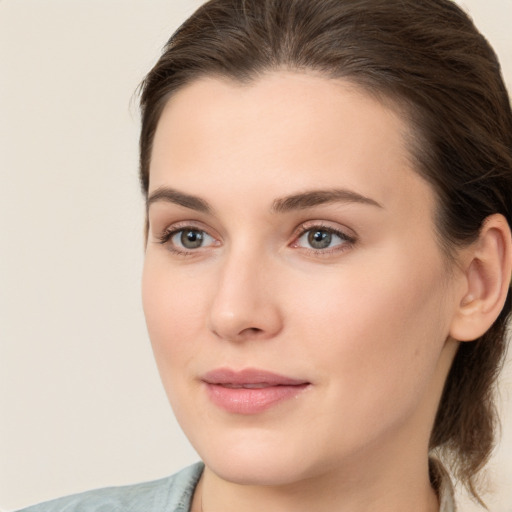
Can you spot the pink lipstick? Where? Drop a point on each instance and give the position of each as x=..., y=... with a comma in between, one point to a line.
x=250, y=391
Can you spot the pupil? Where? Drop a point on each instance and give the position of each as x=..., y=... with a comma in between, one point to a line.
x=320, y=239
x=191, y=239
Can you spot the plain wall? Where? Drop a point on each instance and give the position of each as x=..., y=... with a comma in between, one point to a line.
x=81, y=404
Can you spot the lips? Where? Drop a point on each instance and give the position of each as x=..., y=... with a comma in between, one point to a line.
x=250, y=391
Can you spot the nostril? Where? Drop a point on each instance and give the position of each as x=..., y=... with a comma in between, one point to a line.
x=244, y=334
x=252, y=331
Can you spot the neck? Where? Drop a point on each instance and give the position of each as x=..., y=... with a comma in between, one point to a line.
x=388, y=488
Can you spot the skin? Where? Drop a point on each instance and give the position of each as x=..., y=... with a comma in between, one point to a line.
x=366, y=321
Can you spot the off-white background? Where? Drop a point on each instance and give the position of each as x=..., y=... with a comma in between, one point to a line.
x=80, y=401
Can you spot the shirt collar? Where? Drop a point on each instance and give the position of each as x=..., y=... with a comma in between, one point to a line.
x=443, y=485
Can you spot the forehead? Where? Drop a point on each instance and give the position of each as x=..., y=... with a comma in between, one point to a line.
x=283, y=129
x=297, y=101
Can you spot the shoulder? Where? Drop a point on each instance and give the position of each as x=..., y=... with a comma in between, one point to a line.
x=172, y=494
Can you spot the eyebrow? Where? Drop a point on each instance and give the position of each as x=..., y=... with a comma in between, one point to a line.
x=300, y=201
x=170, y=195
x=313, y=198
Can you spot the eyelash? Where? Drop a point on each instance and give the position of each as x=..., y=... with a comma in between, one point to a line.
x=348, y=241
x=169, y=233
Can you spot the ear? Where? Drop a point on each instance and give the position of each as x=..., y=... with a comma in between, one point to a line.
x=487, y=268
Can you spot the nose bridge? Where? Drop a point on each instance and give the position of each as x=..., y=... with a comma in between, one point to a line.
x=243, y=305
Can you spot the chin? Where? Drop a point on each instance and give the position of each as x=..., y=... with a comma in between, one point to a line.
x=260, y=470
x=256, y=458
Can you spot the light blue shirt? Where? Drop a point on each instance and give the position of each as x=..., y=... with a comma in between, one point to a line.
x=171, y=494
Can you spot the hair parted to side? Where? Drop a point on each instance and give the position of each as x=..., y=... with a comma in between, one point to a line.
x=427, y=58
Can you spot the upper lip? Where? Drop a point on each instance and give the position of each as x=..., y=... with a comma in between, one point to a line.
x=249, y=376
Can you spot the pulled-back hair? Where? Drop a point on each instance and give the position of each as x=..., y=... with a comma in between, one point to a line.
x=429, y=60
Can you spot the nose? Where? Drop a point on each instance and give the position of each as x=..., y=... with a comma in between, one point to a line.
x=245, y=304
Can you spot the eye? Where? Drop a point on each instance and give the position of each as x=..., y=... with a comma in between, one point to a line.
x=191, y=238
x=184, y=240
x=320, y=238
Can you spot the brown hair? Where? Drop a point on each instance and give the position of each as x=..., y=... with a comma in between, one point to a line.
x=430, y=60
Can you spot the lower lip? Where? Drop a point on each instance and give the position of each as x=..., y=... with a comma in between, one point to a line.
x=251, y=400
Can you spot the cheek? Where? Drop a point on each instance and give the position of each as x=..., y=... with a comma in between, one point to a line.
x=174, y=311
x=375, y=346
x=378, y=327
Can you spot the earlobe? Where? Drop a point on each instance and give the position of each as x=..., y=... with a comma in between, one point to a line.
x=487, y=273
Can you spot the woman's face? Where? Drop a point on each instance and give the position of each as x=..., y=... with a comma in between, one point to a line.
x=297, y=301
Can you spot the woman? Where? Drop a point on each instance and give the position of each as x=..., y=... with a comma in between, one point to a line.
x=328, y=256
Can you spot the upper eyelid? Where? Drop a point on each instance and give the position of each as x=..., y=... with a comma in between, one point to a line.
x=345, y=231
x=319, y=227
x=189, y=224
x=173, y=229
x=345, y=239
x=182, y=225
